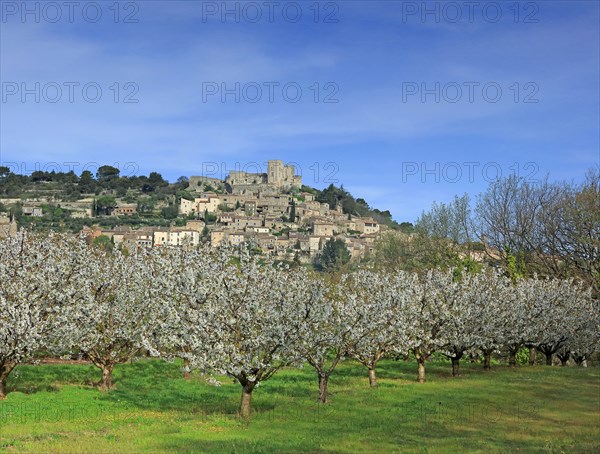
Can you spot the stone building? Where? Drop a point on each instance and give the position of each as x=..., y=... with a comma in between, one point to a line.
x=209, y=203
x=34, y=211
x=366, y=225
x=282, y=176
x=124, y=210
x=322, y=227
x=176, y=237
x=277, y=178
x=8, y=226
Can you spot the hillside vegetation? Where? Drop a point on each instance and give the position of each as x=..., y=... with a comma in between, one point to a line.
x=156, y=198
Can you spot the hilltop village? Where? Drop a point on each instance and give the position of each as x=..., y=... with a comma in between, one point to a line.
x=267, y=210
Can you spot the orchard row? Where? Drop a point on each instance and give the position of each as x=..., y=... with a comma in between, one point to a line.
x=227, y=312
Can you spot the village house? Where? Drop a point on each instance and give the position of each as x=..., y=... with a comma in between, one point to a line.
x=314, y=245
x=242, y=222
x=283, y=243
x=208, y=203
x=251, y=208
x=307, y=196
x=176, y=237
x=236, y=238
x=142, y=239
x=196, y=225
x=350, y=225
x=33, y=211
x=265, y=241
x=257, y=229
x=226, y=218
x=367, y=226
x=356, y=247
x=304, y=244
x=124, y=210
x=321, y=227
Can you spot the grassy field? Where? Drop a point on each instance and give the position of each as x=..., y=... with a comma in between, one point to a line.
x=54, y=408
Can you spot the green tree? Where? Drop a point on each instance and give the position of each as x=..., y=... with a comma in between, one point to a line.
x=87, y=184
x=334, y=256
x=183, y=194
x=407, y=227
x=103, y=242
x=209, y=218
x=297, y=261
x=205, y=235
x=293, y=212
x=415, y=252
x=224, y=208
x=156, y=179
x=170, y=212
x=515, y=265
x=183, y=182
x=107, y=174
x=146, y=205
x=105, y=204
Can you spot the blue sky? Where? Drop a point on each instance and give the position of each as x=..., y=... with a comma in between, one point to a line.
x=386, y=139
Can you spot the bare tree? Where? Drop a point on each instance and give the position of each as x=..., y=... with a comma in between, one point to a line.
x=550, y=228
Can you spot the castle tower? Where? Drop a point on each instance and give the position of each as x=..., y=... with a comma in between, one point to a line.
x=275, y=174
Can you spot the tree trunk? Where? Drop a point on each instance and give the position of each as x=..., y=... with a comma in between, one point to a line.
x=323, y=382
x=246, y=405
x=564, y=358
x=106, y=382
x=532, y=355
x=512, y=358
x=5, y=370
x=186, y=370
x=548, y=358
x=455, y=367
x=372, y=378
x=421, y=376
x=487, y=360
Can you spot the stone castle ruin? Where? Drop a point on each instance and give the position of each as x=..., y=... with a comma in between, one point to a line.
x=279, y=177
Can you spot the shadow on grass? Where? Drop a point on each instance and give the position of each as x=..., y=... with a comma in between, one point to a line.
x=155, y=385
x=159, y=386
x=29, y=379
x=506, y=410
x=240, y=445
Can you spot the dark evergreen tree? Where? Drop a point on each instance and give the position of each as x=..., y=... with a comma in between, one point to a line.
x=334, y=255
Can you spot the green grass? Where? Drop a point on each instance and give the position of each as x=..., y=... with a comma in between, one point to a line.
x=54, y=408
